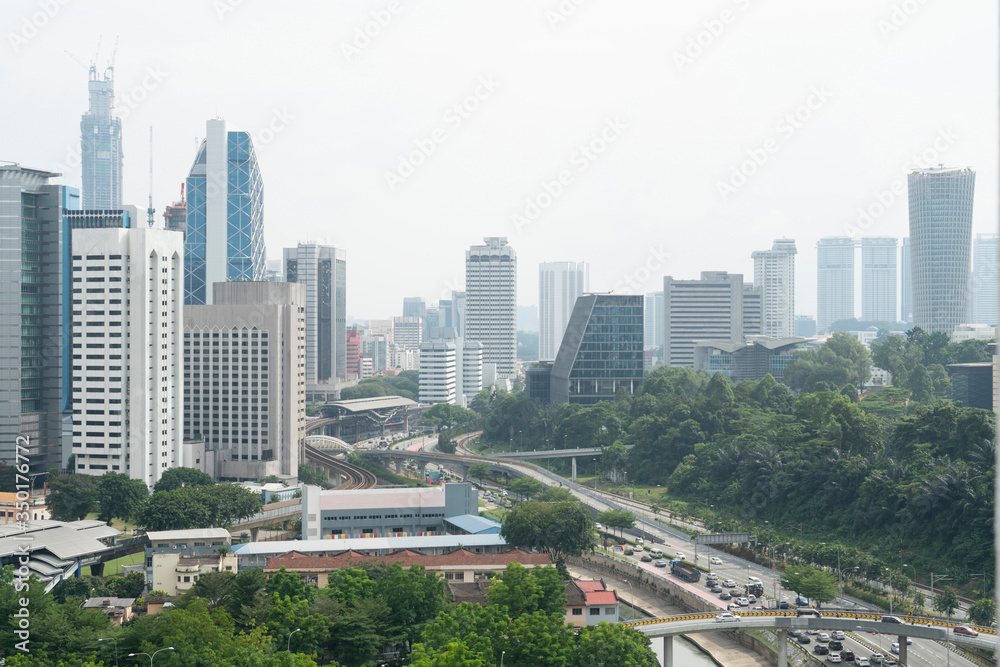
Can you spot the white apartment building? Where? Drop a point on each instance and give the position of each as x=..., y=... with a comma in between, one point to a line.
x=451, y=370
x=491, y=302
x=834, y=281
x=707, y=309
x=127, y=347
x=559, y=285
x=878, y=279
x=774, y=275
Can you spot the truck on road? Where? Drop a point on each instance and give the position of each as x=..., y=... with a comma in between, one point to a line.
x=682, y=570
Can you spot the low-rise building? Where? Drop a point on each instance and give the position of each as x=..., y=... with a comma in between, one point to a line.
x=590, y=603
x=176, y=559
x=119, y=610
x=33, y=508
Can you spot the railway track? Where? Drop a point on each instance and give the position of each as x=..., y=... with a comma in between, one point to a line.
x=356, y=478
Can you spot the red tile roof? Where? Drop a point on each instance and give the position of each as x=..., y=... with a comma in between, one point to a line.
x=297, y=561
x=601, y=598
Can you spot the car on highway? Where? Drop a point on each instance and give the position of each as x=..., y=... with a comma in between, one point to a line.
x=862, y=661
x=821, y=649
x=803, y=639
x=598, y=526
x=894, y=648
x=877, y=658
x=801, y=601
x=965, y=630
x=823, y=637
x=729, y=583
x=847, y=655
x=716, y=588
x=639, y=541
x=660, y=563
x=743, y=602
x=784, y=605
x=646, y=558
x=725, y=596
x=893, y=619
x=838, y=634
x=835, y=658
x=629, y=552
x=752, y=598
x=793, y=633
x=715, y=560
x=836, y=645
x=890, y=662
x=726, y=617
x=733, y=606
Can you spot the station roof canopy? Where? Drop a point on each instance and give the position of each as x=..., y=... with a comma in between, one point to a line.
x=65, y=541
x=373, y=403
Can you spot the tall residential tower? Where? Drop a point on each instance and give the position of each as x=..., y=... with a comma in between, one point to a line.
x=774, y=276
x=559, y=285
x=941, y=245
x=878, y=279
x=834, y=281
x=491, y=302
x=985, y=277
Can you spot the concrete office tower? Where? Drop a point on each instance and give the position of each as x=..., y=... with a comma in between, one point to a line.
x=906, y=291
x=601, y=351
x=353, y=347
x=774, y=274
x=559, y=284
x=985, y=250
x=878, y=279
x=101, y=146
x=35, y=301
x=246, y=395
x=225, y=214
x=407, y=331
x=706, y=309
x=653, y=337
x=451, y=370
x=127, y=393
x=834, y=281
x=941, y=246
x=752, y=313
x=491, y=302
x=374, y=347
x=458, y=313
x=414, y=306
x=323, y=270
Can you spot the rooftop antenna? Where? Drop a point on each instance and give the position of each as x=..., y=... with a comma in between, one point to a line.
x=93, y=63
x=150, y=219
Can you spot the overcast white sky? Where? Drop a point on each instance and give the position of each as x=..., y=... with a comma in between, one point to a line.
x=332, y=114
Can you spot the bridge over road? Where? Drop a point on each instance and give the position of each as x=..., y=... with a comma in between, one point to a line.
x=915, y=627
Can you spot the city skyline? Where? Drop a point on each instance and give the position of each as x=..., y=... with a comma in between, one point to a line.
x=522, y=119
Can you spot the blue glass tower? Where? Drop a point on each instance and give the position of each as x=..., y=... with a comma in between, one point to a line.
x=225, y=214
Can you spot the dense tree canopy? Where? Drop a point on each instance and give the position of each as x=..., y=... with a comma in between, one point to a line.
x=175, y=478
x=559, y=529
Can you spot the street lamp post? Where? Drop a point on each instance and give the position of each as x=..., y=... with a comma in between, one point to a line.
x=595, y=473
x=288, y=646
x=169, y=648
x=939, y=577
x=115, y=640
x=890, y=589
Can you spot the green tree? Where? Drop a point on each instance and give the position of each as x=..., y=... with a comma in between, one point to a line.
x=608, y=645
x=527, y=487
x=556, y=494
x=119, y=496
x=72, y=497
x=525, y=591
x=445, y=443
x=175, y=478
x=291, y=585
x=620, y=519
x=810, y=582
x=243, y=591
x=946, y=601
x=129, y=586
x=983, y=612
x=311, y=475
x=559, y=529
x=214, y=587
x=479, y=470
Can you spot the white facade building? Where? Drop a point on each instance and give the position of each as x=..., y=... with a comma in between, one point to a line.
x=653, y=320
x=973, y=332
x=491, y=302
x=707, y=309
x=246, y=391
x=559, y=285
x=451, y=370
x=878, y=279
x=985, y=278
x=127, y=394
x=774, y=275
x=834, y=281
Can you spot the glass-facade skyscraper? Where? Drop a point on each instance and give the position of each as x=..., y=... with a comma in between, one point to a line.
x=323, y=270
x=225, y=214
x=601, y=350
x=941, y=246
x=101, y=146
x=36, y=345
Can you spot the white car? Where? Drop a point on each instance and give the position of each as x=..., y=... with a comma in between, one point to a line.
x=715, y=560
x=743, y=602
x=679, y=555
x=835, y=658
x=894, y=648
x=838, y=634
x=862, y=662
x=726, y=617
x=598, y=526
x=729, y=583
x=639, y=541
x=823, y=637
x=752, y=598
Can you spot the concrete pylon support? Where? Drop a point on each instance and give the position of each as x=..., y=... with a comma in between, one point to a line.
x=668, y=651
x=254, y=533
x=336, y=430
x=399, y=466
x=97, y=569
x=902, y=649
x=465, y=473
x=782, y=649
x=422, y=465
x=573, y=477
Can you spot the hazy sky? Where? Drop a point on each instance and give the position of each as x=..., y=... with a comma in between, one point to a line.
x=405, y=131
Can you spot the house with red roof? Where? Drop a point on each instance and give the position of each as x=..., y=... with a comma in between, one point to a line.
x=590, y=603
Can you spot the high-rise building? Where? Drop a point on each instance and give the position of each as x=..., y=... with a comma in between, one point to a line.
x=653, y=316
x=451, y=370
x=601, y=351
x=175, y=217
x=35, y=306
x=774, y=275
x=985, y=278
x=101, y=145
x=805, y=326
x=491, y=302
x=906, y=291
x=414, y=306
x=353, y=347
x=323, y=270
x=374, y=347
x=457, y=318
x=753, y=310
x=941, y=245
x=878, y=279
x=707, y=309
x=559, y=284
x=225, y=214
x=246, y=395
x=834, y=281
x=407, y=331
x=127, y=393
